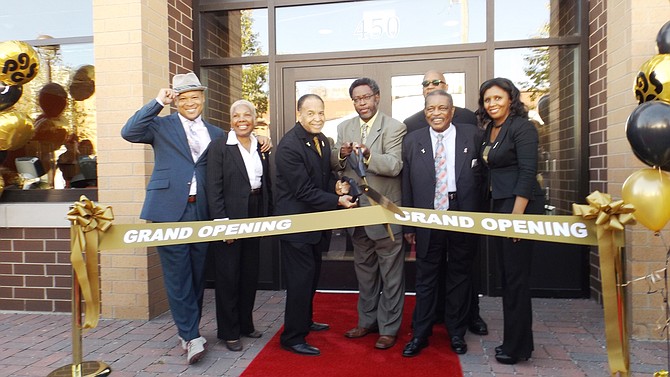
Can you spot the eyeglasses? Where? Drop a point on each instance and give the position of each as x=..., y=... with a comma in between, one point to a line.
x=434, y=82
x=362, y=99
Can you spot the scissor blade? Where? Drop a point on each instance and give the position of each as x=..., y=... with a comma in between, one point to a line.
x=380, y=199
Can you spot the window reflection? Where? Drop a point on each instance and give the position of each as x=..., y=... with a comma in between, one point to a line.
x=60, y=102
x=366, y=25
x=548, y=80
x=234, y=33
x=540, y=19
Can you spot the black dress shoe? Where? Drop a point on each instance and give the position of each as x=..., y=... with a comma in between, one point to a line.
x=478, y=326
x=253, y=334
x=414, y=347
x=316, y=326
x=458, y=345
x=302, y=349
x=234, y=345
x=507, y=359
x=498, y=350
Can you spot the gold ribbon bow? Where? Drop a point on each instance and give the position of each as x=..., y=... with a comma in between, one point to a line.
x=88, y=221
x=610, y=220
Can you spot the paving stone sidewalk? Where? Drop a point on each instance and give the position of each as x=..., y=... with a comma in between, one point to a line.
x=569, y=341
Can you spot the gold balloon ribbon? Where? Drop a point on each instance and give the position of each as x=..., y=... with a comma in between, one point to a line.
x=610, y=220
x=88, y=220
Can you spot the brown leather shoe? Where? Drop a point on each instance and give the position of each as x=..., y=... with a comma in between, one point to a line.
x=359, y=332
x=385, y=342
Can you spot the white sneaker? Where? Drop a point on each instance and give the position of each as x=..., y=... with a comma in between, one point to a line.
x=184, y=344
x=196, y=349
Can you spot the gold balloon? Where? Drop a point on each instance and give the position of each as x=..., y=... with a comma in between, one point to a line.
x=2, y=185
x=649, y=191
x=19, y=62
x=16, y=129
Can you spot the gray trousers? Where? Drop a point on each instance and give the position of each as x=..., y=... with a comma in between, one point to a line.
x=379, y=266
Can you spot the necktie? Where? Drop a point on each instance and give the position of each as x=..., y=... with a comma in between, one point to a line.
x=364, y=132
x=193, y=142
x=441, y=188
x=317, y=145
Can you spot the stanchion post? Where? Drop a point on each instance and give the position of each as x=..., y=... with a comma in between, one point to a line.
x=79, y=368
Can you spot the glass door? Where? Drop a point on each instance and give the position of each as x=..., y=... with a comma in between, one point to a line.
x=400, y=96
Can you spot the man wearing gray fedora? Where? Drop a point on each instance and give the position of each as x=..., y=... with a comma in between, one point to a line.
x=176, y=192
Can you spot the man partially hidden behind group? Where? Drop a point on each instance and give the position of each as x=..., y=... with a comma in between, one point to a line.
x=176, y=193
x=304, y=183
x=441, y=171
x=434, y=80
x=376, y=139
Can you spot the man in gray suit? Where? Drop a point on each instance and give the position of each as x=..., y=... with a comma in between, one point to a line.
x=375, y=138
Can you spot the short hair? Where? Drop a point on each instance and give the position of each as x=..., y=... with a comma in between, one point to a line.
x=364, y=81
x=243, y=102
x=439, y=92
x=302, y=99
x=517, y=108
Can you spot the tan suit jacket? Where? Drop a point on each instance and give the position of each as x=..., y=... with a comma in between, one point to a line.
x=383, y=171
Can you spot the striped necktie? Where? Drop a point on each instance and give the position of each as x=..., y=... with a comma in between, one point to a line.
x=441, y=187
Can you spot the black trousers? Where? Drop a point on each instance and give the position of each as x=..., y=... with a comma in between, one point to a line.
x=514, y=265
x=236, y=267
x=302, y=268
x=449, y=254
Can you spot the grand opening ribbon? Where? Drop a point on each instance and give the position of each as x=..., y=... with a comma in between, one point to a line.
x=610, y=219
x=88, y=221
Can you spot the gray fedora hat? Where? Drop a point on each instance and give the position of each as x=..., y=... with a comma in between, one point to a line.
x=186, y=82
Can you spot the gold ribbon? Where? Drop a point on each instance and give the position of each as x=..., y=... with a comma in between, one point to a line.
x=88, y=221
x=610, y=220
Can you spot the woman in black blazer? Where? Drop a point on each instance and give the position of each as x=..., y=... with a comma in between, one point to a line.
x=509, y=151
x=238, y=186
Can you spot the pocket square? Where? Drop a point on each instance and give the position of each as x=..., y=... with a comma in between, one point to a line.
x=474, y=163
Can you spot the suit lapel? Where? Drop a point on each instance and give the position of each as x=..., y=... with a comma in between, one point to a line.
x=375, y=130
x=234, y=152
x=460, y=153
x=179, y=135
x=426, y=153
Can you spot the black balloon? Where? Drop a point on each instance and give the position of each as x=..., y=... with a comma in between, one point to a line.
x=648, y=132
x=9, y=95
x=663, y=39
x=543, y=108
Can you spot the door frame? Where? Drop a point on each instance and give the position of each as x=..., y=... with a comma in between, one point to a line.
x=339, y=274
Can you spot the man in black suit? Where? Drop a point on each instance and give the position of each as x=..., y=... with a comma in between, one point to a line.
x=304, y=183
x=441, y=171
x=434, y=80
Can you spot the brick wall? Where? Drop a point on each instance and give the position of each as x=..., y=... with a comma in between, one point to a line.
x=597, y=119
x=35, y=270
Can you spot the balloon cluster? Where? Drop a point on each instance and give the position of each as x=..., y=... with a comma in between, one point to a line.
x=648, y=132
x=19, y=64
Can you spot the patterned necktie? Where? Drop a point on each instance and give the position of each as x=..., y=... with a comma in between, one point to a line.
x=441, y=188
x=317, y=145
x=364, y=132
x=193, y=142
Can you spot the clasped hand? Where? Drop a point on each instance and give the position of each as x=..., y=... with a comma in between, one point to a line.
x=360, y=149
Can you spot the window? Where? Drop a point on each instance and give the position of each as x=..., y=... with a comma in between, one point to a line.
x=59, y=103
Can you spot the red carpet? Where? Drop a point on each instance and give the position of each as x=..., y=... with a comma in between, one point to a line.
x=341, y=356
